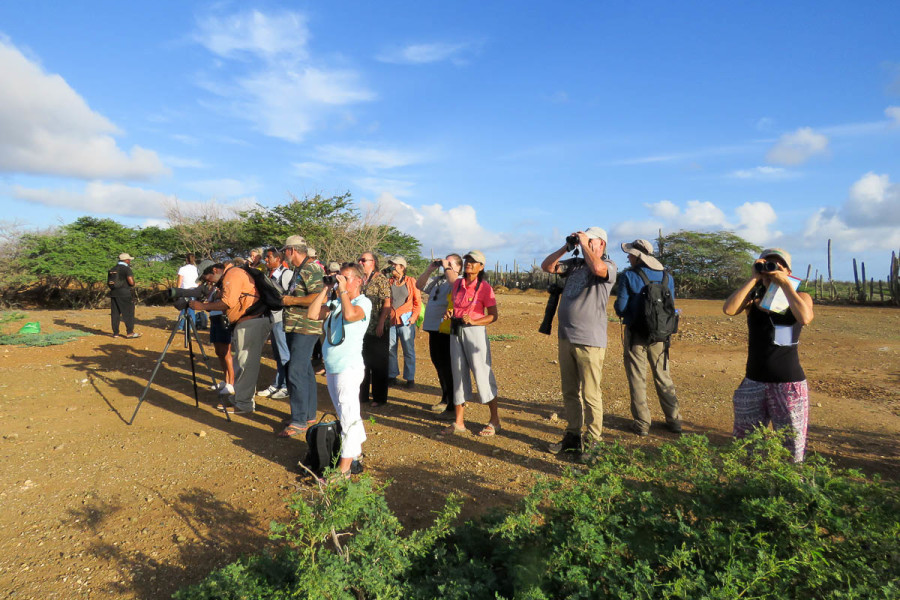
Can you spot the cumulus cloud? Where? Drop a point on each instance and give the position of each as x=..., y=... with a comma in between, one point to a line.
x=797, y=147
x=276, y=83
x=702, y=215
x=367, y=158
x=873, y=200
x=664, y=209
x=420, y=54
x=49, y=129
x=753, y=221
x=454, y=229
x=101, y=198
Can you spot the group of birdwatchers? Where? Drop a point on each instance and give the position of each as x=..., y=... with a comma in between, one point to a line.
x=363, y=318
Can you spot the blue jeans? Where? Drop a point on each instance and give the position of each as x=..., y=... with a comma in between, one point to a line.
x=301, y=378
x=406, y=335
x=281, y=354
x=190, y=314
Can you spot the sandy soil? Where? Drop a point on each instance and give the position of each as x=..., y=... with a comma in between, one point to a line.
x=95, y=508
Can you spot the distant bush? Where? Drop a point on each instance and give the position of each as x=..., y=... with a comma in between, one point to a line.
x=690, y=521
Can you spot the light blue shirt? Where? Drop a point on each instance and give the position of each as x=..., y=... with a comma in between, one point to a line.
x=347, y=354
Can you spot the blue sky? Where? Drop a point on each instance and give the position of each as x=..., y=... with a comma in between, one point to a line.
x=498, y=126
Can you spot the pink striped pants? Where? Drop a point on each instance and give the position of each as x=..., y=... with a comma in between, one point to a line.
x=784, y=404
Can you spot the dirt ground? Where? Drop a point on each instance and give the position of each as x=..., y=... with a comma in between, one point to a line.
x=91, y=507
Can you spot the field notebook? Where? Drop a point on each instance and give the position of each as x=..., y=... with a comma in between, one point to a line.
x=775, y=300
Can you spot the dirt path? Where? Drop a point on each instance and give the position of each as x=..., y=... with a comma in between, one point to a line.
x=95, y=508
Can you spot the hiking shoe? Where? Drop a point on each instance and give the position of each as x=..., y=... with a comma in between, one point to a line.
x=267, y=392
x=279, y=394
x=637, y=430
x=674, y=427
x=410, y=384
x=356, y=467
x=570, y=443
x=439, y=407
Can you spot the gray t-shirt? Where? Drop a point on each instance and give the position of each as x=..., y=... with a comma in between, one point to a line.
x=582, y=304
x=435, y=293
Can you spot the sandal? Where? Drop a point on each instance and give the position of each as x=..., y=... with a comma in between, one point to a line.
x=489, y=430
x=291, y=431
x=453, y=429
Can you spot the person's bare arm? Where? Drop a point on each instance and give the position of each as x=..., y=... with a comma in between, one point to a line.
x=738, y=301
x=551, y=263
x=491, y=317
x=317, y=311
x=800, y=303
x=299, y=300
x=593, y=255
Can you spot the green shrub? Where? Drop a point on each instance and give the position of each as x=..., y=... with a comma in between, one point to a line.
x=688, y=521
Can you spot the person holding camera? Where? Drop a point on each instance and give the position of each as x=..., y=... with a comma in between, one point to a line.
x=774, y=386
x=582, y=333
x=187, y=278
x=282, y=277
x=376, y=342
x=474, y=307
x=437, y=290
x=345, y=313
x=219, y=333
x=645, y=268
x=302, y=333
x=406, y=304
x=249, y=330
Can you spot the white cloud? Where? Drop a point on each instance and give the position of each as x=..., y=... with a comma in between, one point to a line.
x=763, y=173
x=699, y=214
x=49, y=129
x=454, y=229
x=223, y=188
x=893, y=113
x=633, y=230
x=370, y=159
x=797, y=147
x=873, y=201
x=101, y=198
x=184, y=163
x=420, y=54
x=277, y=84
x=754, y=222
x=664, y=209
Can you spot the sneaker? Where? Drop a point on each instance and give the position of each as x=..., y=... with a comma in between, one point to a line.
x=570, y=443
x=439, y=407
x=278, y=394
x=267, y=392
x=227, y=390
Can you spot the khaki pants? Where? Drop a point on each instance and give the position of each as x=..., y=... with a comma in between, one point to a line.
x=247, y=341
x=580, y=373
x=637, y=352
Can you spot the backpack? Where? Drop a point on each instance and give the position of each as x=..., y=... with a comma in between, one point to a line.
x=658, y=319
x=269, y=294
x=324, y=447
x=114, y=279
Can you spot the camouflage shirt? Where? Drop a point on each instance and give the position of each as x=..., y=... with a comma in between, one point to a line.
x=377, y=289
x=307, y=280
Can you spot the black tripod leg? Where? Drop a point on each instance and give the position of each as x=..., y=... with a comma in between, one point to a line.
x=188, y=328
x=153, y=374
x=208, y=368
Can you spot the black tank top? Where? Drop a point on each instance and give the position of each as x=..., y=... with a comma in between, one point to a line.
x=768, y=361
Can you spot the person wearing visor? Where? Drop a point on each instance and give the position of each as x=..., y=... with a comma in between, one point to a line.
x=774, y=388
x=406, y=304
x=474, y=307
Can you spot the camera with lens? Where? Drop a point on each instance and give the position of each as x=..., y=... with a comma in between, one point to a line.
x=456, y=323
x=180, y=297
x=766, y=267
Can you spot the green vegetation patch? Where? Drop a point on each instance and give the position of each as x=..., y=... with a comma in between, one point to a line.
x=40, y=339
x=686, y=521
x=504, y=337
x=9, y=317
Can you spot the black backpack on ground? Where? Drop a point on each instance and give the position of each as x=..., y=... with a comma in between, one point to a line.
x=658, y=319
x=324, y=447
x=269, y=294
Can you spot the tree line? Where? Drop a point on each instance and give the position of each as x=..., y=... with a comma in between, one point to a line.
x=67, y=265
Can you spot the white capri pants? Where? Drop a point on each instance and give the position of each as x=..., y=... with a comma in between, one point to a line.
x=344, y=391
x=470, y=350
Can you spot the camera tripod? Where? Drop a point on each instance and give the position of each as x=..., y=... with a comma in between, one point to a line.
x=190, y=336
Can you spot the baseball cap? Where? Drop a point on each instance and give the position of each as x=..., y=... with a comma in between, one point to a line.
x=783, y=254
x=594, y=233
x=398, y=260
x=476, y=255
x=294, y=241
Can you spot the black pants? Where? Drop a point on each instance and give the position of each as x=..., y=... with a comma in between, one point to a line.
x=375, y=356
x=439, y=349
x=122, y=308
